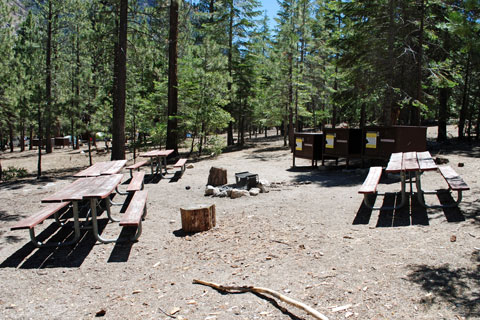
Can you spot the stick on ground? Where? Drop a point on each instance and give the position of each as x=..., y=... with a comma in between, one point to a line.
x=267, y=291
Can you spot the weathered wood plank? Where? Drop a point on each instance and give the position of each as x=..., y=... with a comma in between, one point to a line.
x=40, y=216
x=410, y=162
x=136, y=184
x=137, y=165
x=426, y=162
x=395, y=163
x=455, y=182
x=371, y=182
x=135, y=210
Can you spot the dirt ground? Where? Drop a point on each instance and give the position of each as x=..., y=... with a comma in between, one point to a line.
x=309, y=238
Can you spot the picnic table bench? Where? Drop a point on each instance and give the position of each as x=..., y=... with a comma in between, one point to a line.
x=32, y=221
x=181, y=163
x=136, y=212
x=137, y=166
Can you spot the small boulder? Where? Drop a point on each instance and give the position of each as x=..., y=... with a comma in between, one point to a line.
x=216, y=192
x=210, y=190
x=263, y=185
x=190, y=166
x=221, y=194
x=254, y=191
x=236, y=193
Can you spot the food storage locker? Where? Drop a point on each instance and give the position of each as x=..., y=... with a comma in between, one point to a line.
x=381, y=142
x=308, y=145
x=342, y=143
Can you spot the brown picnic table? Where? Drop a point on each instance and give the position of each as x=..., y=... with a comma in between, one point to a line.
x=92, y=189
x=160, y=157
x=412, y=165
x=102, y=168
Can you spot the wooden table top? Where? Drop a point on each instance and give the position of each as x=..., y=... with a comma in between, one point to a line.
x=102, y=168
x=157, y=153
x=411, y=161
x=84, y=188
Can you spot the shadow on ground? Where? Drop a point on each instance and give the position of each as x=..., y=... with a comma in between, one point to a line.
x=411, y=214
x=337, y=176
x=29, y=257
x=456, y=286
x=71, y=256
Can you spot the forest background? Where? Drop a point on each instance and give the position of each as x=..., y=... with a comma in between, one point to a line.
x=156, y=72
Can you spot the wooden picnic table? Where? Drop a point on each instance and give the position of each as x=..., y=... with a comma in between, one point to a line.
x=94, y=189
x=412, y=164
x=102, y=168
x=161, y=160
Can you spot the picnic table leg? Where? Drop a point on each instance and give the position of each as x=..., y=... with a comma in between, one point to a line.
x=421, y=196
x=402, y=192
x=165, y=164
x=93, y=205
x=76, y=225
x=108, y=204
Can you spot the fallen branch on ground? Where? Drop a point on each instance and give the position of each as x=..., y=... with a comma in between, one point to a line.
x=260, y=290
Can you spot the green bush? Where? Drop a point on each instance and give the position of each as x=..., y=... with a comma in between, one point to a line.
x=214, y=146
x=11, y=173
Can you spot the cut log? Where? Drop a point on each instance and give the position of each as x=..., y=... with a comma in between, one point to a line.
x=198, y=218
x=217, y=177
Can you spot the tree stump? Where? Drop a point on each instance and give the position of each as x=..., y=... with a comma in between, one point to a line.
x=217, y=177
x=198, y=218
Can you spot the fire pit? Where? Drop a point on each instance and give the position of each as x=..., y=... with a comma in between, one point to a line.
x=246, y=180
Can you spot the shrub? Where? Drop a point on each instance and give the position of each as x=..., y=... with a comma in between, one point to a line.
x=11, y=173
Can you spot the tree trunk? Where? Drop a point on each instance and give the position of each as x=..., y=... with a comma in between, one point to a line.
x=387, y=108
x=290, y=101
x=477, y=128
x=39, y=162
x=48, y=82
x=76, y=88
x=172, y=134
x=470, y=118
x=463, y=110
x=443, y=96
x=217, y=176
x=415, y=120
x=198, y=218
x=90, y=149
x=22, y=136
x=120, y=78
x=30, y=147
x=363, y=113
x=230, y=71
x=10, y=133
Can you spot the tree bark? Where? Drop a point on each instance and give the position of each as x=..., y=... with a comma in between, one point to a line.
x=444, y=94
x=172, y=131
x=120, y=79
x=10, y=134
x=230, y=71
x=290, y=101
x=198, y=218
x=217, y=176
x=464, y=108
x=443, y=97
x=387, y=109
x=415, y=119
x=48, y=81
x=39, y=160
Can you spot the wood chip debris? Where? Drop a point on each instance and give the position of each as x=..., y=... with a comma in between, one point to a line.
x=174, y=310
x=345, y=307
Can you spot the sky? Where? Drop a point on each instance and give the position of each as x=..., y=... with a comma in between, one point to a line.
x=271, y=6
